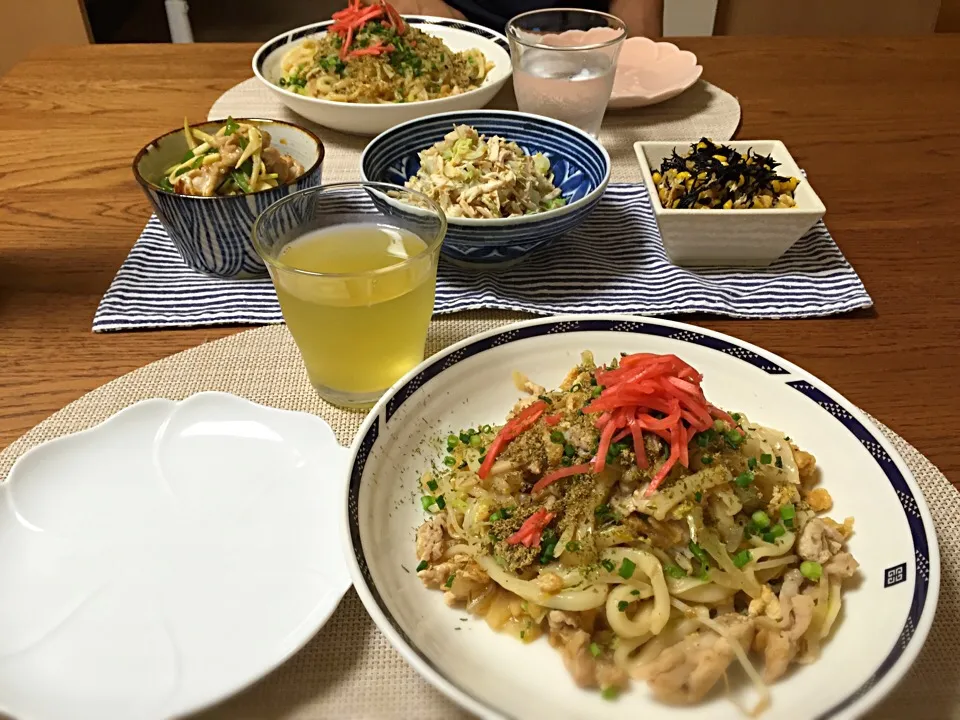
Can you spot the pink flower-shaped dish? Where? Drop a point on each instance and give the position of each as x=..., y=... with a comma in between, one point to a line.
x=650, y=72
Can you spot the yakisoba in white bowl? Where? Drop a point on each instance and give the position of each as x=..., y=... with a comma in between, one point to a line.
x=371, y=119
x=885, y=615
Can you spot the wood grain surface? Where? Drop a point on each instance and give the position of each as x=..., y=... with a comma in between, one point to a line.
x=873, y=122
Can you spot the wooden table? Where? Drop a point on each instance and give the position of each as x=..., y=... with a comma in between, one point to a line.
x=873, y=121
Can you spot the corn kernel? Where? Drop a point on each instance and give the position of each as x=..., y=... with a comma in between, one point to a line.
x=728, y=204
x=657, y=177
x=681, y=176
x=702, y=176
x=701, y=145
x=776, y=186
x=721, y=158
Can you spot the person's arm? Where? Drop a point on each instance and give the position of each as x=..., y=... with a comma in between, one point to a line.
x=643, y=17
x=426, y=7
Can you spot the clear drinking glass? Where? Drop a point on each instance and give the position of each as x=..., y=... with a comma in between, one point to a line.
x=355, y=269
x=564, y=62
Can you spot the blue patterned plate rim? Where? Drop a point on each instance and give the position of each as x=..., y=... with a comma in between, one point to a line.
x=916, y=625
x=463, y=116
x=304, y=31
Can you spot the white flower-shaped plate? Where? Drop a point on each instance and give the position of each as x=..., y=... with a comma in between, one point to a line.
x=167, y=558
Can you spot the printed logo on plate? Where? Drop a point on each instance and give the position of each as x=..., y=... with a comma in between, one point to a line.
x=895, y=575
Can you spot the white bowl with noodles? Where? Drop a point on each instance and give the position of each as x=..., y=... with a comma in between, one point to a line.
x=371, y=119
x=885, y=616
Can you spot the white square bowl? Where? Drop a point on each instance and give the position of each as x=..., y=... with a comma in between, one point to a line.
x=751, y=238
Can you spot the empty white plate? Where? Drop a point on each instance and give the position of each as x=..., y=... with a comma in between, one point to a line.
x=166, y=558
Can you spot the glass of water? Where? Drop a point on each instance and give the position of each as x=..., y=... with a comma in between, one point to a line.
x=564, y=62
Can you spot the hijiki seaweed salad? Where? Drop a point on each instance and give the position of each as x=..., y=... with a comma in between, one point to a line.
x=712, y=176
x=647, y=533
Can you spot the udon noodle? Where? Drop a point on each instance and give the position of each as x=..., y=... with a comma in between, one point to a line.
x=703, y=550
x=371, y=55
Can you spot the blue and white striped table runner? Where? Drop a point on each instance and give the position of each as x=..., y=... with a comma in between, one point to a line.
x=613, y=263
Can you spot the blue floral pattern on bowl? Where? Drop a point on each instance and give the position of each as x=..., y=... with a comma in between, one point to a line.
x=580, y=165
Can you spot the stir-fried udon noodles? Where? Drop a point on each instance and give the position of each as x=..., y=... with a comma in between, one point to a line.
x=649, y=534
x=371, y=55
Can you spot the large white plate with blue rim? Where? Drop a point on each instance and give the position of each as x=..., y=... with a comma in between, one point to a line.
x=167, y=558
x=885, y=619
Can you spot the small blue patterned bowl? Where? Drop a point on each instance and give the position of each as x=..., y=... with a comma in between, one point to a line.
x=580, y=165
x=213, y=234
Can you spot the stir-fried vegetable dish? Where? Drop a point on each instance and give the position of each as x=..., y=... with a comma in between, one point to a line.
x=648, y=533
x=235, y=160
x=371, y=55
x=472, y=176
x=713, y=176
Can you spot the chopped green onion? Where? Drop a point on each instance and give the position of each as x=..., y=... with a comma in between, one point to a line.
x=778, y=531
x=452, y=441
x=423, y=565
x=811, y=570
x=165, y=184
x=450, y=580
x=744, y=479
x=481, y=459
x=432, y=484
x=766, y=458
x=449, y=461
x=779, y=462
x=608, y=565
x=546, y=398
x=595, y=650
x=462, y=465
x=441, y=503
x=576, y=387
x=760, y=519
x=699, y=553
x=609, y=693
x=742, y=558
x=736, y=417
x=557, y=437
x=569, y=450
x=634, y=592
x=427, y=501
x=623, y=605
x=674, y=571
x=573, y=546
x=566, y=461
x=698, y=496
x=465, y=438
x=707, y=459
x=486, y=429
x=476, y=441
x=495, y=516
x=507, y=512
x=734, y=438
x=752, y=463
x=787, y=514
x=626, y=568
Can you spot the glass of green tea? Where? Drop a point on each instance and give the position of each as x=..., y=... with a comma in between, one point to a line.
x=355, y=269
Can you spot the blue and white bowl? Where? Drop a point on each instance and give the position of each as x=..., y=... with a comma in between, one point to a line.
x=213, y=234
x=580, y=165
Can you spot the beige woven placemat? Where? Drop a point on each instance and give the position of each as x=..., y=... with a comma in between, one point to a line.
x=703, y=110
x=348, y=670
